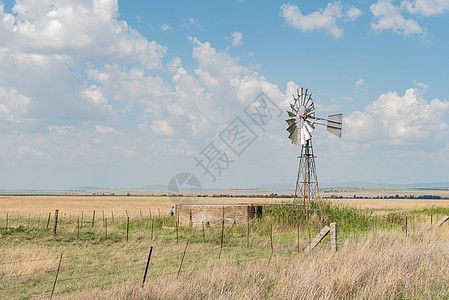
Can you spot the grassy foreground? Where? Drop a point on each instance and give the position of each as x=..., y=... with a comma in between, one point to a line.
x=378, y=257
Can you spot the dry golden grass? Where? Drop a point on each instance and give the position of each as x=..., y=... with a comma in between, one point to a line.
x=396, y=204
x=382, y=266
x=74, y=205
x=134, y=205
x=29, y=260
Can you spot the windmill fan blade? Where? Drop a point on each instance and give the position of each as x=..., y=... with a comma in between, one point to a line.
x=295, y=140
x=291, y=115
x=312, y=111
x=291, y=128
x=293, y=132
x=294, y=136
x=334, y=124
x=290, y=121
x=309, y=126
x=293, y=107
x=307, y=135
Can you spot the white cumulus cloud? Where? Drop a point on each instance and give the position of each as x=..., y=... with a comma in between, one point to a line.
x=13, y=105
x=105, y=129
x=359, y=82
x=237, y=39
x=389, y=17
x=166, y=27
x=426, y=7
x=397, y=119
x=161, y=127
x=324, y=19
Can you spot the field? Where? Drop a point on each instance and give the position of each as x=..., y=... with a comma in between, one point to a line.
x=387, y=250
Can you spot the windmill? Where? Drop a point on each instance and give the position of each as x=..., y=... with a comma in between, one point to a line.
x=301, y=123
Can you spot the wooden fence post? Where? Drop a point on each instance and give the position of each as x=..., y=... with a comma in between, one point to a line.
x=48, y=220
x=247, y=237
x=222, y=234
x=204, y=235
x=271, y=242
x=297, y=238
x=6, y=227
x=127, y=229
x=56, y=222
x=333, y=227
x=318, y=238
x=152, y=227
x=405, y=226
x=177, y=237
x=93, y=218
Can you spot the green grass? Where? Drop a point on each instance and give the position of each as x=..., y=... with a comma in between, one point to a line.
x=90, y=258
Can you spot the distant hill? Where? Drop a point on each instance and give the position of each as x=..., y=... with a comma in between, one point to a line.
x=282, y=186
x=356, y=184
x=87, y=188
x=97, y=188
x=372, y=184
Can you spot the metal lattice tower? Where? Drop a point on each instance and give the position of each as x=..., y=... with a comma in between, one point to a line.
x=307, y=181
x=301, y=123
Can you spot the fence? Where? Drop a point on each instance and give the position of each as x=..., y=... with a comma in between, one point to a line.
x=175, y=250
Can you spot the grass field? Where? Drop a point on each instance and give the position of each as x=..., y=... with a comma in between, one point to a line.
x=393, y=255
x=74, y=205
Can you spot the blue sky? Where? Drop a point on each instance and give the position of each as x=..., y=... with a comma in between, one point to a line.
x=131, y=93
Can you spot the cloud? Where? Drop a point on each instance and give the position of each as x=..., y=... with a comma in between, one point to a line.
x=166, y=27
x=61, y=130
x=189, y=22
x=236, y=39
x=161, y=127
x=359, y=82
x=104, y=129
x=13, y=105
x=96, y=99
x=54, y=44
x=84, y=73
x=396, y=119
x=26, y=150
x=324, y=19
x=389, y=17
x=126, y=152
x=426, y=7
x=81, y=28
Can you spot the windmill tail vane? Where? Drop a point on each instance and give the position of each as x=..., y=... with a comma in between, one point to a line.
x=301, y=121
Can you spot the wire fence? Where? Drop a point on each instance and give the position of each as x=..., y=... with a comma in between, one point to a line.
x=125, y=263
x=76, y=275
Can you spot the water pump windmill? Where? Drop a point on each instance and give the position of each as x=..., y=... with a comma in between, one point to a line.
x=301, y=122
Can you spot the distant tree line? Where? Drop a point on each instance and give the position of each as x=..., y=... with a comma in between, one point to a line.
x=388, y=197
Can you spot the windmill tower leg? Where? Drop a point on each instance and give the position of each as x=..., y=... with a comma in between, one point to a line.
x=307, y=181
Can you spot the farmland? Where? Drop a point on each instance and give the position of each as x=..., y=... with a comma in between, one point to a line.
x=392, y=254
